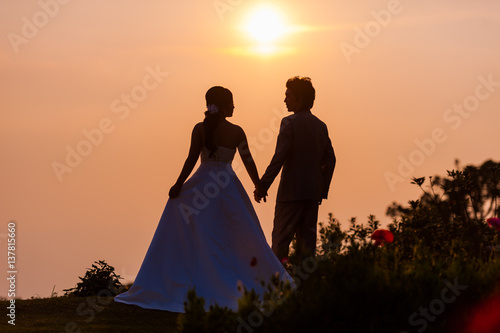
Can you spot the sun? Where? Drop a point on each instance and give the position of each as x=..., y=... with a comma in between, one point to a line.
x=265, y=24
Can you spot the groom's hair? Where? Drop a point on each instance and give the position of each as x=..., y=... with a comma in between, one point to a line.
x=301, y=87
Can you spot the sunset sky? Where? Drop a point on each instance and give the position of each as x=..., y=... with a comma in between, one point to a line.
x=98, y=100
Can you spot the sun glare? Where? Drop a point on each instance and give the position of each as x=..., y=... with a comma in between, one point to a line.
x=265, y=24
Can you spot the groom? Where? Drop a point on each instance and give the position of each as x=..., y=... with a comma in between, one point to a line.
x=305, y=153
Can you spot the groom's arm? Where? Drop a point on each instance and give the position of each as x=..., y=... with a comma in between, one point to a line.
x=329, y=162
x=283, y=146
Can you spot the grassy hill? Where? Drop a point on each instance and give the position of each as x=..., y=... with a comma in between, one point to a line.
x=85, y=314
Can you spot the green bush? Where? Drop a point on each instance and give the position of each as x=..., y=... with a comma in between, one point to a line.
x=99, y=280
x=450, y=216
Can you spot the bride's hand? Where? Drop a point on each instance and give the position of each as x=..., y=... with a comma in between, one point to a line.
x=174, y=191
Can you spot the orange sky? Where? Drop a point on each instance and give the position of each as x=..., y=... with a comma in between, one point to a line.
x=405, y=87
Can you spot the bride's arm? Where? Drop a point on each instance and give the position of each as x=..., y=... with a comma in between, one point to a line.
x=194, y=153
x=247, y=158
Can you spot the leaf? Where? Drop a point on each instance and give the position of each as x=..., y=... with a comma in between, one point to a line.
x=418, y=181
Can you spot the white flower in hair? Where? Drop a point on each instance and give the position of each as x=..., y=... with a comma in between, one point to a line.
x=212, y=108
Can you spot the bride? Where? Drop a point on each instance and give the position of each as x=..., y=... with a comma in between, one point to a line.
x=209, y=237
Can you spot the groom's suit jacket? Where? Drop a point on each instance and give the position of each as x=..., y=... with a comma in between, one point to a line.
x=305, y=153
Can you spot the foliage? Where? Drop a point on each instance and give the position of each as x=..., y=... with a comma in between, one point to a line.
x=195, y=319
x=100, y=280
x=470, y=194
x=450, y=215
x=442, y=262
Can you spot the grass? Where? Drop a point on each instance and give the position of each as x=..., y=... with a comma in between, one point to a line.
x=85, y=314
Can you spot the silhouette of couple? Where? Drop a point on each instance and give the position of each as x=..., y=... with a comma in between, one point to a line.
x=209, y=237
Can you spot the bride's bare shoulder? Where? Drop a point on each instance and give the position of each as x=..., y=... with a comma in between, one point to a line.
x=198, y=130
x=238, y=133
x=234, y=127
x=198, y=126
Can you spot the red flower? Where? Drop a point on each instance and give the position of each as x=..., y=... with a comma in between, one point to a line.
x=253, y=262
x=284, y=260
x=381, y=236
x=494, y=222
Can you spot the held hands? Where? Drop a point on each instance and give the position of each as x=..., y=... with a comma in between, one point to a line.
x=259, y=194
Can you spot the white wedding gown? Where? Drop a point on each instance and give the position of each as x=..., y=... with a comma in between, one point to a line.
x=208, y=238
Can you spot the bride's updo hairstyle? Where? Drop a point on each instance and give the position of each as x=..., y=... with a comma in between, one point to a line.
x=217, y=98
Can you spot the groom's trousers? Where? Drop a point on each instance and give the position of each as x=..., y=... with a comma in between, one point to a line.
x=295, y=218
